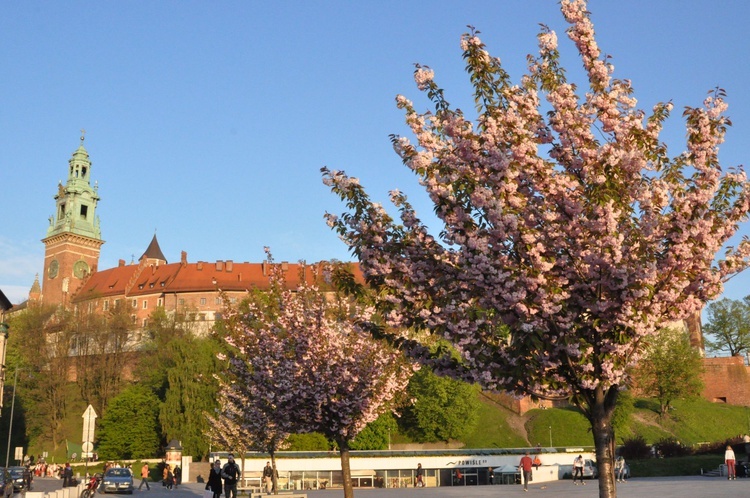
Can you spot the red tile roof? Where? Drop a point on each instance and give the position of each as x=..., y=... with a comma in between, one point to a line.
x=174, y=278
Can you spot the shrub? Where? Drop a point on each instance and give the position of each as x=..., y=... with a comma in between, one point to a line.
x=635, y=447
x=670, y=447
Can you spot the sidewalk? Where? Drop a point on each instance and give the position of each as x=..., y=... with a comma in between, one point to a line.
x=661, y=487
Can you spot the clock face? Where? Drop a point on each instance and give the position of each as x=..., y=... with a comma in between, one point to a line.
x=80, y=269
x=53, y=268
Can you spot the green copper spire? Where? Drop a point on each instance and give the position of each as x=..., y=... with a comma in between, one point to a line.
x=76, y=201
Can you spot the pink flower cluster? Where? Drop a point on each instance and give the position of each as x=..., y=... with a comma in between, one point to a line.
x=567, y=236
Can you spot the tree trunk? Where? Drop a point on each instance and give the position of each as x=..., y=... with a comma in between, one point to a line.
x=346, y=471
x=601, y=408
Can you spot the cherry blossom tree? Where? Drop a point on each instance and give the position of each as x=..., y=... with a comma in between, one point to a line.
x=569, y=234
x=298, y=362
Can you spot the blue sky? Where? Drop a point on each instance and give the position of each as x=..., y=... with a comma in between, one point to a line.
x=208, y=122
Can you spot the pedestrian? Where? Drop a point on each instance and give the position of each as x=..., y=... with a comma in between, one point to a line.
x=168, y=477
x=67, y=475
x=525, y=466
x=27, y=477
x=144, y=478
x=230, y=473
x=620, y=469
x=578, y=470
x=214, y=479
x=420, y=477
x=730, y=460
x=268, y=477
x=177, y=476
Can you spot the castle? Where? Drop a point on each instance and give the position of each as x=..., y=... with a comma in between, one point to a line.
x=71, y=275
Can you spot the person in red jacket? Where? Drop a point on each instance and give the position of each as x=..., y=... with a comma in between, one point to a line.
x=526, y=464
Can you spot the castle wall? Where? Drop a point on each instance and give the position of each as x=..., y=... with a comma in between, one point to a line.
x=726, y=380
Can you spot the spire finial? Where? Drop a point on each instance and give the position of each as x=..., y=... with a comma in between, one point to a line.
x=83, y=135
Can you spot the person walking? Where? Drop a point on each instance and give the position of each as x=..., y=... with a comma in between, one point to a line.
x=67, y=475
x=578, y=470
x=620, y=469
x=268, y=477
x=168, y=477
x=214, y=479
x=525, y=466
x=144, y=478
x=231, y=474
x=729, y=459
x=420, y=477
x=177, y=476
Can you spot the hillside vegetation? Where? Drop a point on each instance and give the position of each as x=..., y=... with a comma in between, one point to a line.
x=498, y=427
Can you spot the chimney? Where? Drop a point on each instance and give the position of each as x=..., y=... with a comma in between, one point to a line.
x=219, y=265
x=229, y=265
x=199, y=266
x=284, y=265
x=121, y=262
x=183, y=258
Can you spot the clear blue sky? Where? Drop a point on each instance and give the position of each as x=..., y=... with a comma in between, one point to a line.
x=209, y=121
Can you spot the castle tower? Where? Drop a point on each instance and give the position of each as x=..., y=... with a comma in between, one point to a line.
x=73, y=240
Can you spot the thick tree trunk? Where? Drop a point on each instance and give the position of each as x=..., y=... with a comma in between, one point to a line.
x=346, y=471
x=601, y=408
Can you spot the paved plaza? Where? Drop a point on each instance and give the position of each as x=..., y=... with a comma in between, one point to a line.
x=656, y=487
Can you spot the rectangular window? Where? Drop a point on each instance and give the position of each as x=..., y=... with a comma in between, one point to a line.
x=182, y=302
x=145, y=322
x=106, y=305
x=160, y=302
x=203, y=301
x=145, y=304
x=84, y=211
x=218, y=300
x=135, y=303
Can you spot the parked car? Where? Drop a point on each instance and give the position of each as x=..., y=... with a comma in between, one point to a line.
x=7, y=484
x=19, y=484
x=118, y=480
x=591, y=470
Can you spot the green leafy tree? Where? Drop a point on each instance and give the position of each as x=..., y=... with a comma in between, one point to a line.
x=728, y=326
x=157, y=357
x=377, y=434
x=311, y=441
x=101, y=347
x=443, y=409
x=670, y=368
x=129, y=429
x=39, y=345
x=191, y=393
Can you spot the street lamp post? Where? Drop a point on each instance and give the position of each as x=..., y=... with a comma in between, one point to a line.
x=550, y=436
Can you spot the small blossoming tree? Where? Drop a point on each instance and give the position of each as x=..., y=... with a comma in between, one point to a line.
x=569, y=234
x=299, y=362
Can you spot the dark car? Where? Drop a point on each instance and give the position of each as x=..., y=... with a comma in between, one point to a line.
x=118, y=480
x=19, y=483
x=7, y=484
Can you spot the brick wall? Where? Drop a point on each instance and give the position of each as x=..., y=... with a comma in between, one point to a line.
x=726, y=380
